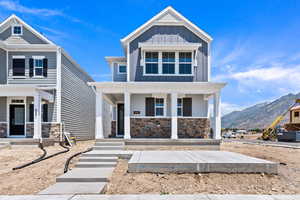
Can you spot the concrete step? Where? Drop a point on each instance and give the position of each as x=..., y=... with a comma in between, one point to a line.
x=109, y=144
x=74, y=188
x=95, y=164
x=107, y=148
x=86, y=175
x=109, y=153
x=96, y=159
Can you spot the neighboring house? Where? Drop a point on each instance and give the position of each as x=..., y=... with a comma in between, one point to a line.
x=162, y=87
x=41, y=86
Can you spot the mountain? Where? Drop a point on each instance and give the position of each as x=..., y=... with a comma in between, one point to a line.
x=260, y=115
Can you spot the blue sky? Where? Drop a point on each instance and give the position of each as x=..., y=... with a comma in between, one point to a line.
x=256, y=47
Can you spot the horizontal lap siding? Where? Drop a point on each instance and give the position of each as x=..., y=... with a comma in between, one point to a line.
x=3, y=68
x=51, y=77
x=3, y=109
x=78, y=102
x=118, y=77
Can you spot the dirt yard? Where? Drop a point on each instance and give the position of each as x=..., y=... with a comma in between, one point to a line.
x=287, y=182
x=32, y=179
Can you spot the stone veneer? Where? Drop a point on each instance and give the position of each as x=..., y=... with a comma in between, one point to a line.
x=193, y=128
x=113, y=129
x=49, y=130
x=3, y=130
x=150, y=127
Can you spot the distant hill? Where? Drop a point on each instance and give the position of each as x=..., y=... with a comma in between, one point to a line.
x=260, y=115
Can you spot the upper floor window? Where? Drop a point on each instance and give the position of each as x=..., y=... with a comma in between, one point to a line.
x=151, y=62
x=168, y=62
x=122, y=69
x=185, y=63
x=17, y=30
x=38, y=67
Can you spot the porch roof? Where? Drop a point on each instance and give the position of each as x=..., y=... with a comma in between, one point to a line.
x=159, y=87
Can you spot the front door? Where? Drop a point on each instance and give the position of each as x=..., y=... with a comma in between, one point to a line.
x=17, y=120
x=120, y=120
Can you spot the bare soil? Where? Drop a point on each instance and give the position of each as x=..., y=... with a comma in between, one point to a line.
x=286, y=182
x=32, y=179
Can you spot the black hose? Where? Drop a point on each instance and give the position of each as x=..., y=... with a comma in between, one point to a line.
x=58, y=153
x=73, y=156
x=34, y=161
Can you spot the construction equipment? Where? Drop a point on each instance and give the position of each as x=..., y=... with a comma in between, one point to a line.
x=270, y=132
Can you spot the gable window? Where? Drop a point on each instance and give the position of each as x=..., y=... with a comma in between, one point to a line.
x=168, y=62
x=17, y=30
x=185, y=63
x=122, y=69
x=151, y=62
x=18, y=66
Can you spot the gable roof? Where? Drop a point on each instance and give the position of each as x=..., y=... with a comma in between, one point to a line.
x=168, y=16
x=6, y=23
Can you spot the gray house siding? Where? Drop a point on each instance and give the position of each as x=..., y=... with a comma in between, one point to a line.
x=50, y=79
x=28, y=36
x=169, y=35
x=3, y=68
x=78, y=101
x=116, y=76
x=3, y=110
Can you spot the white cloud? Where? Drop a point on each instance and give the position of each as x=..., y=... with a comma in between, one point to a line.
x=16, y=7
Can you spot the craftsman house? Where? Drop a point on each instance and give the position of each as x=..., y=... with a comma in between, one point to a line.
x=161, y=88
x=41, y=86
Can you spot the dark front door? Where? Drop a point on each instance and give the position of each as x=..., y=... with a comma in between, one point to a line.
x=16, y=120
x=120, y=120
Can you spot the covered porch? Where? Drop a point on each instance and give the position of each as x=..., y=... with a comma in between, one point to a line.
x=27, y=111
x=159, y=110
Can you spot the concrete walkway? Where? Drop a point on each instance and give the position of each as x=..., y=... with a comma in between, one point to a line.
x=152, y=197
x=91, y=173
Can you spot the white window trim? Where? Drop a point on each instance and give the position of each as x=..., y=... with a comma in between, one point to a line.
x=192, y=61
x=12, y=30
x=122, y=64
x=162, y=62
x=143, y=61
x=164, y=107
x=34, y=67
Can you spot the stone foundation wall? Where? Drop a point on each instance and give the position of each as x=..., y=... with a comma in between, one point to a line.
x=193, y=128
x=49, y=130
x=150, y=127
x=3, y=130
x=113, y=129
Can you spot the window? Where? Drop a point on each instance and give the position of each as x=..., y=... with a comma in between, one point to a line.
x=18, y=67
x=179, y=107
x=185, y=63
x=17, y=30
x=168, y=62
x=159, y=107
x=296, y=114
x=44, y=112
x=122, y=69
x=38, y=67
x=151, y=62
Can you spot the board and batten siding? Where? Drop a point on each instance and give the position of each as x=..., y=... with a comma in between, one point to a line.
x=3, y=67
x=168, y=35
x=117, y=77
x=78, y=101
x=28, y=36
x=3, y=109
x=51, y=77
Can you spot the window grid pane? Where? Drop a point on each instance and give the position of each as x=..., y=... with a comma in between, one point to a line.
x=151, y=63
x=159, y=107
x=17, y=30
x=38, y=67
x=122, y=69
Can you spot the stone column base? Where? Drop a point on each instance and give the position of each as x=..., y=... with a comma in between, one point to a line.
x=193, y=127
x=150, y=127
x=3, y=130
x=49, y=130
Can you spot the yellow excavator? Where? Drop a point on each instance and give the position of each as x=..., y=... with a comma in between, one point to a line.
x=270, y=132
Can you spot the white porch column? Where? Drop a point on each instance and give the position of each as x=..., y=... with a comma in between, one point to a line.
x=217, y=116
x=37, y=130
x=127, y=115
x=99, y=120
x=174, y=129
